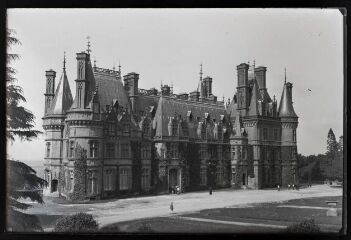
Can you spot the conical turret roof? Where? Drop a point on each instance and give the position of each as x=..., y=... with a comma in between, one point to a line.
x=253, y=110
x=286, y=108
x=63, y=96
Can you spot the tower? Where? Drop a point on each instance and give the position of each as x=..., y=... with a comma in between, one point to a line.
x=53, y=124
x=239, y=154
x=289, y=123
x=243, y=88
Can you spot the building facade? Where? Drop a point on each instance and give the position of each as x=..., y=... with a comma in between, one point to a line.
x=148, y=141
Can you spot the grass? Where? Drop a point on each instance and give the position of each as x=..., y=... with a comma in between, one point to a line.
x=268, y=213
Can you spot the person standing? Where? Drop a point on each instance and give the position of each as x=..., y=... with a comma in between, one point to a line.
x=210, y=191
x=171, y=207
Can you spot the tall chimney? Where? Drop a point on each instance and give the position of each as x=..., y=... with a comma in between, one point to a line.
x=260, y=73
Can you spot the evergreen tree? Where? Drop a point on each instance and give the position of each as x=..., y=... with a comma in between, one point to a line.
x=19, y=120
x=23, y=182
x=332, y=145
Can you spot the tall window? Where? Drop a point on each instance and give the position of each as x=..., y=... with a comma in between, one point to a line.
x=146, y=128
x=174, y=150
x=174, y=129
x=125, y=150
x=145, y=178
x=71, y=176
x=71, y=149
x=293, y=153
x=233, y=152
x=92, y=183
x=48, y=145
x=265, y=133
x=94, y=147
x=203, y=176
x=110, y=150
x=275, y=134
x=125, y=182
x=126, y=129
x=294, y=135
x=219, y=175
x=108, y=180
x=111, y=129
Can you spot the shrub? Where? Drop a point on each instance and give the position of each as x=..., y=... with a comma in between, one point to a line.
x=145, y=228
x=80, y=222
x=305, y=226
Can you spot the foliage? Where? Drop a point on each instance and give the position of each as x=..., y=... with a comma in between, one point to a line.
x=309, y=167
x=332, y=145
x=145, y=228
x=80, y=168
x=80, y=222
x=20, y=121
x=24, y=184
x=305, y=226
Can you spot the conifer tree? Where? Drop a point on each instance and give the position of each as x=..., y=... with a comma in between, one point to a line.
x=332, y=145
x=22, y=180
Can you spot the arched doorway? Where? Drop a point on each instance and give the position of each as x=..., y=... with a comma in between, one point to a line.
x=173, y=179
x=54, y=184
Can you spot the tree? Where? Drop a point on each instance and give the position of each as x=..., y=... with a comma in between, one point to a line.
x=332, y=145
x=24, y=184
x=23, y=180
x=19, y=120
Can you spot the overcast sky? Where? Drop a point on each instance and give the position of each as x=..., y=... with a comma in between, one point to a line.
x=170, y=44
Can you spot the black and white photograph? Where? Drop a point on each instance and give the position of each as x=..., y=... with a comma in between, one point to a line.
x=154, y=121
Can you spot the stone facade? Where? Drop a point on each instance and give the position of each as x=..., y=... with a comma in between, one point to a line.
x=147, y=141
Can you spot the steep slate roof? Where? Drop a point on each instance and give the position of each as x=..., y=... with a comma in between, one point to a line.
x=286, y=108
x=255, y=96
x=232, y=109
x=142, y=102
x=171, y=107
x=110, y=88
x=63, y=96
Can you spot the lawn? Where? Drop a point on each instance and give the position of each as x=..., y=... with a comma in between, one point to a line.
x=266, y=213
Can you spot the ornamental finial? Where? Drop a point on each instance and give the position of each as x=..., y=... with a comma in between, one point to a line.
x=88, y=49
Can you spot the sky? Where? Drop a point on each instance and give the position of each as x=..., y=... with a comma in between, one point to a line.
x=169, y=45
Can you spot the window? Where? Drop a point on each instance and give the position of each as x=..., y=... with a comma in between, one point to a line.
x=125, y=150
x=145, y=152
x=146, y=128
x=276, y=134
x=125, y=129
x=294, y=135
x=125, y=182
x=174, y=150
x=71, y=149
x=293, y=153
x=203, y=176
x=92, y=183
x=111, y=129
x=174, y=129
x=265, y=134
x=219, y=175
x=233, y=152
x=108, y=180
x=93, y=149
x=71, y=176
x=145, y=178
x=48, y=145
x=110, y=150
